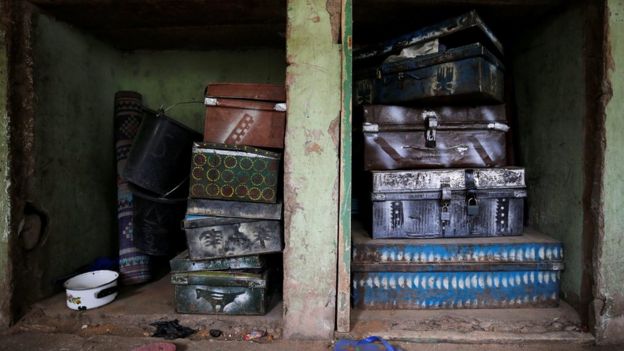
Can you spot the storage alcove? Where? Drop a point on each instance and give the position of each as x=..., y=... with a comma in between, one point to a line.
x=546, y=59
x=84, y=52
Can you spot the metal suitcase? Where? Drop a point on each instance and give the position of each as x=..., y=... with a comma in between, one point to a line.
x=398, y=137
x=221, y=292
x=236, y=173
x=469, y=74
x=246, y=210
x=245, y=114
x=216, y=237
x=504, y=272
x=448, y=203
x=183, y=263
x=453, y=32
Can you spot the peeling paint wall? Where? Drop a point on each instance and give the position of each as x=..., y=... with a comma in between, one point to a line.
x=5, y=265
x=313, y=80
x=609, y=307
x=548, y=69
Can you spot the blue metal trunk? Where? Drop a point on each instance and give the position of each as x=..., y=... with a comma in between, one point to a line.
x=501, y=272
x=450, y=33
x=468, y=74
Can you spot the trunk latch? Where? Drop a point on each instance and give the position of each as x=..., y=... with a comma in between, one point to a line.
x=445, y=214
x=472, y=205
x=431, y=124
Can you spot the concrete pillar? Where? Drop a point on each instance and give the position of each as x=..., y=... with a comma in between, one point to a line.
x=311, y=181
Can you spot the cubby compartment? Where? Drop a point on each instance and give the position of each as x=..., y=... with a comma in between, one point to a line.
x=79, y=55
x=549, y=105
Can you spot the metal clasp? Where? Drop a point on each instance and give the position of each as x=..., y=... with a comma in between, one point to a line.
x=431, y=125
x=210, y=101
x=445, y=214
x=473, y=206
x=280, y=107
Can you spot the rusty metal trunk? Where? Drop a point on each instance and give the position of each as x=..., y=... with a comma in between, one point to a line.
x=410, y=138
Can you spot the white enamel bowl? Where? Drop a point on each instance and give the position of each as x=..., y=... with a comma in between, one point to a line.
x=91, y=290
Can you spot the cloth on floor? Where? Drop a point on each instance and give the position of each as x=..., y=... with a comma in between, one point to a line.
x=372, y=343
x=134, y=266
x=171, y=330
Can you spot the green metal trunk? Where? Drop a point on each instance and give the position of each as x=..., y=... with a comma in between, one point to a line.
x=230, y=292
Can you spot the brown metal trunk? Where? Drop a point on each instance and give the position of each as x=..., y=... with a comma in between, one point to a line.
x=245, y=114
x=410, y=138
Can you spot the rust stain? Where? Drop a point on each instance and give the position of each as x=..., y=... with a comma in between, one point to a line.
x=334, y=8
x=312, y=147
x=316, y=19
x=334, y=130
x=336, y=187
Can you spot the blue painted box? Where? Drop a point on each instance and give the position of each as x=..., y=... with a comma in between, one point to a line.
x=504, y=272
x=468, y=74
x=450, y=33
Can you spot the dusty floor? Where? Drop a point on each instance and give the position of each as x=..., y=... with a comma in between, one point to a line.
x=35, y=341
x=125, y=324
x=132, y=312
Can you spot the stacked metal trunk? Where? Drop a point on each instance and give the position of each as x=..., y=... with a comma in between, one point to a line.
x=233, y=221
x=435, y=142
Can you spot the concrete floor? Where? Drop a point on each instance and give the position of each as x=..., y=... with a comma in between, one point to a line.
x=124, y=324
x=35, y=341
x=469, y=326
x=132, y=312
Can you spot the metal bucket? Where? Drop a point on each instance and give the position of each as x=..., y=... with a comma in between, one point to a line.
x=156, y=220
x=160, y=158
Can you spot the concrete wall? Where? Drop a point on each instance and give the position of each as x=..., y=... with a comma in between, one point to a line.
x=609, y=308
x=75, y=78
x=549, y=72
x=5, y=266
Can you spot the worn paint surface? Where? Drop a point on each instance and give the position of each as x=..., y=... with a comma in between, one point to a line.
x=438, y=31
x=550, y=98
x=228, y=172
x=224, y=208
x=397, y=137
x=221, y=292
x=469, y=73
x=311, y=178
x=5, y=264
x=610, y=284
x=183, y=263
x=343, y=300
x=456, y=273
x=443, y=290
x=232, y=239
